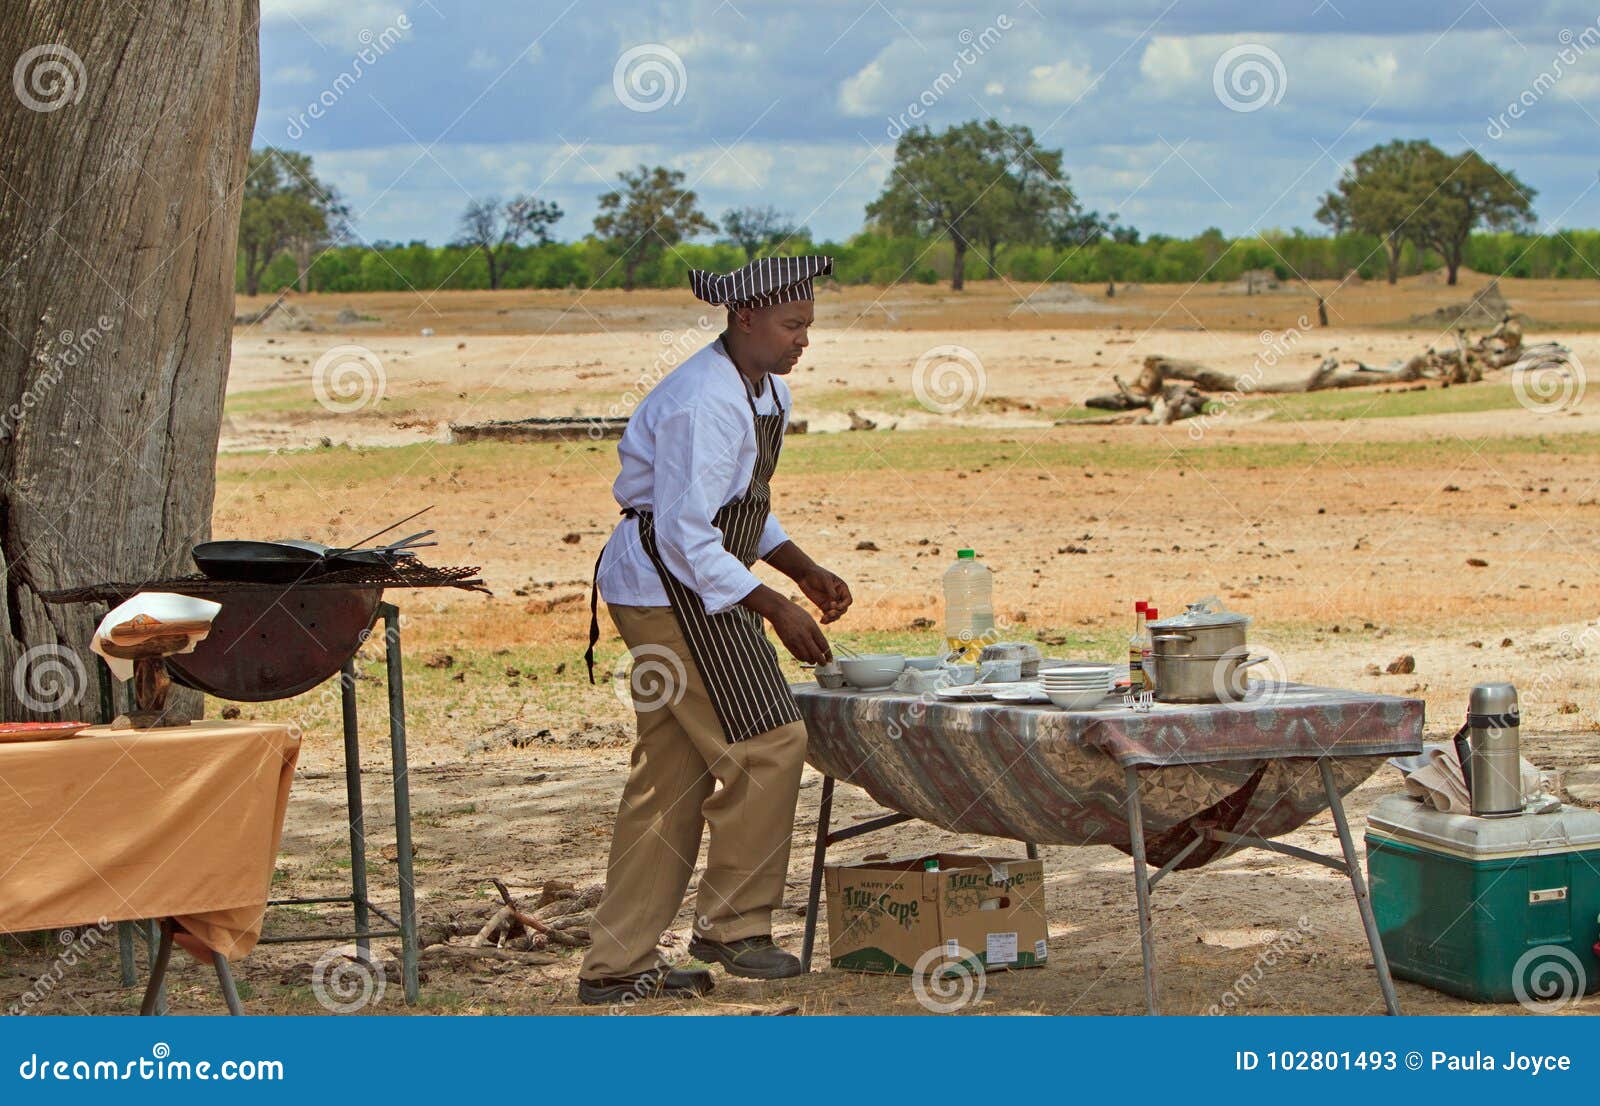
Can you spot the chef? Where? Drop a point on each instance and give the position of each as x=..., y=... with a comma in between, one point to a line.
x=720, y=740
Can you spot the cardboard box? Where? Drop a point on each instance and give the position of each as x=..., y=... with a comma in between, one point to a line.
x=987, y=911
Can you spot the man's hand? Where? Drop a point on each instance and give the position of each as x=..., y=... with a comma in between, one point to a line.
x=826, y=590
x=797, y=630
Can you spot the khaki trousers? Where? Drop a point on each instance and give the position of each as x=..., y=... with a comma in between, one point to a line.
x=685, y=774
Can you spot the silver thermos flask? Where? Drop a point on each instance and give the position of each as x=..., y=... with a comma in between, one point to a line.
x=1495, y=737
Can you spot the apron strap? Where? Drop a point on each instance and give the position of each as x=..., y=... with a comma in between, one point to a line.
x=594, y=602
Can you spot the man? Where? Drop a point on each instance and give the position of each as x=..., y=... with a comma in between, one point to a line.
x=720, y=736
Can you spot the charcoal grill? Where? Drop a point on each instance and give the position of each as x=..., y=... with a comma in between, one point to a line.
x=277, y=641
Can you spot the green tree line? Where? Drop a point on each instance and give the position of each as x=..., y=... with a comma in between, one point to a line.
x=980, y=199
x=869, y=258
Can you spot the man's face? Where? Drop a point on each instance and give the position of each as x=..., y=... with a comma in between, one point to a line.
x=776, y=336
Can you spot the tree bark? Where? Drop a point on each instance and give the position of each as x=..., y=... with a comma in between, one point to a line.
x=958, y=264
x=118, y=229
x=1392, y=247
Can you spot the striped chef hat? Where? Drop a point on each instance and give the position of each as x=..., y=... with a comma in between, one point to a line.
x=762, y=283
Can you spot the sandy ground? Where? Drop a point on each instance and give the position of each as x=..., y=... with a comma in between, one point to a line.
x=1351, y=534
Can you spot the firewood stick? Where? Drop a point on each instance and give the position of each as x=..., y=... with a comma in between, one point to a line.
x=470, y=952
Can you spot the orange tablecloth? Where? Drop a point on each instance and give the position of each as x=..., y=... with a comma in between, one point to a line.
x=129, y=824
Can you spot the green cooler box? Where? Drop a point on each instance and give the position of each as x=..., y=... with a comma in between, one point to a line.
x=1491, y=909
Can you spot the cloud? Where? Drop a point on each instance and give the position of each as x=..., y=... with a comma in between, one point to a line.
x=862, y=92
x=294, y=74
x=1062, y=83
x=483, y=61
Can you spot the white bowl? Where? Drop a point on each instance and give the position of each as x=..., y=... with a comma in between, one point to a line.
x=873, y=671
x=1093, y=681
x=924, y=664
x=1076, y=700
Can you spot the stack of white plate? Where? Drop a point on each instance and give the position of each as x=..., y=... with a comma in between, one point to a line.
x=1078, y=687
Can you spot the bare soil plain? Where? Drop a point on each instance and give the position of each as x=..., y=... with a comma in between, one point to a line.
x=1455, y=526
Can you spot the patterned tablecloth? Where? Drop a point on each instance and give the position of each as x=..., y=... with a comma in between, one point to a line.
x=1035, y=773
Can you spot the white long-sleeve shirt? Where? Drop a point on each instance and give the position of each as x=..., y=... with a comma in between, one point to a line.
x=689, y=449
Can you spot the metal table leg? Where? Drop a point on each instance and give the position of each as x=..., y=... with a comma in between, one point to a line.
x=1141, y=884
x=153, y=998
x=352, y=791
x=1359, y=884
x=130, y=974
x=230, y=994
x=1032, y=850
x=402, y=799
x=818, y=856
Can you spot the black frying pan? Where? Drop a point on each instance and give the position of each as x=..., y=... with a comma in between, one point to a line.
x=285, y=562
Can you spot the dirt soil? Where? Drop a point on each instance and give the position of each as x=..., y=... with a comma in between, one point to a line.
x=1453, y=526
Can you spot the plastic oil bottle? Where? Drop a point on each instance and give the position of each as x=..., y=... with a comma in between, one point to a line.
x=968, y=606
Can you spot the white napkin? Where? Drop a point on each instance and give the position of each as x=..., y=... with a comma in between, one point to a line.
x=163, y=606
x=1434, y=776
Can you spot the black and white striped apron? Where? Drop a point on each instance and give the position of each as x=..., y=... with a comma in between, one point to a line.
x=736, y=661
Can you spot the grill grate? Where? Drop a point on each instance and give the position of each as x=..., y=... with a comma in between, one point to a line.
x=407, y=574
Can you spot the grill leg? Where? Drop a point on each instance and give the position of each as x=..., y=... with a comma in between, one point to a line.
x=402, y=800
x=154, y=1001
x=352, y=791
x=230, y=994
x=1141, y=886
x=819, y=854
x=1358, y=884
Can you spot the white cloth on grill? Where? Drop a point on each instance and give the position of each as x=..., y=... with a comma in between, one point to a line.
x=690, y=448
x=1434, y=776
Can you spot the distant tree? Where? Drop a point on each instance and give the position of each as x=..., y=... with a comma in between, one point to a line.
x=490, y=227
x=1383, y=194
x=756, y=229
x=977, y=183
x=1086, y=228
x=1028, y=199
x=650, y=214
x=1465, y=192
x=285, y=207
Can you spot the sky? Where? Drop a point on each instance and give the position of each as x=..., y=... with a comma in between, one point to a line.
x=1177, y=114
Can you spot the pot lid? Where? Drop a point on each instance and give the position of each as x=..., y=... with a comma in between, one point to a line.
x=1208, y=612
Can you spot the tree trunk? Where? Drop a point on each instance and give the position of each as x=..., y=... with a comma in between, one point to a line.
x=494, y=274
x=958, y=265
x=302, y=263
x=118, y=229
x=252, y=273
x=1452, y=262
x=1393, y=246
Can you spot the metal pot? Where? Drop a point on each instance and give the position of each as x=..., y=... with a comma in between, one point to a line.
x=1195, y=678
x=1198, y=656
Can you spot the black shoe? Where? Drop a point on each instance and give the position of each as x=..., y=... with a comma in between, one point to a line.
x=751, y=957
x=655, y=983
